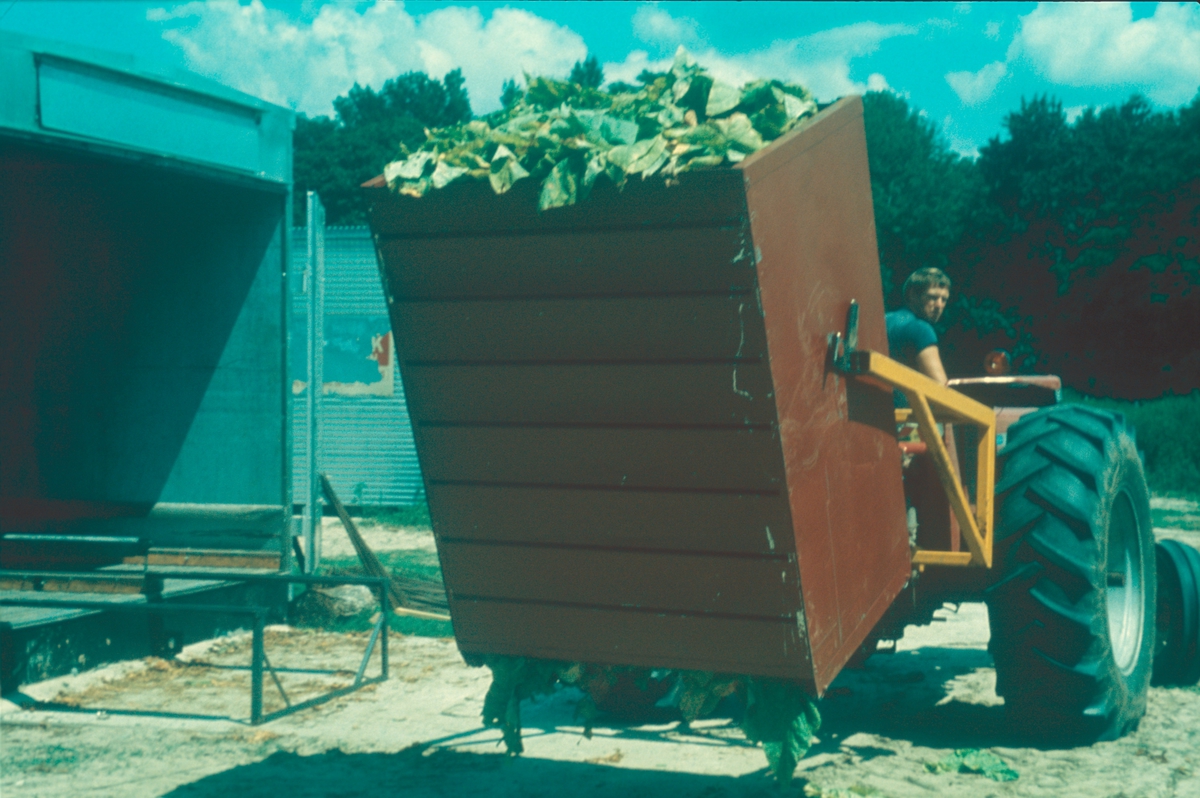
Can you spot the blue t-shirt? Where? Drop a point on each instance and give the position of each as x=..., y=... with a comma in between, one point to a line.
x=907, y=335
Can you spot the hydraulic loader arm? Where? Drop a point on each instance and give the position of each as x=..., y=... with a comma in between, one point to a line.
x=930, y=404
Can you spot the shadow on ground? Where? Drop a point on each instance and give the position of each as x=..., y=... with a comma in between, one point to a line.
x=418, y=771
x=934, y=697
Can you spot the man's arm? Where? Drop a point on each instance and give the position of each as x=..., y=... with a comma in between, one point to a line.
x=929, y=363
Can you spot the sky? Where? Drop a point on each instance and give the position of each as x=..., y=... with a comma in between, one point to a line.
x=964, y=65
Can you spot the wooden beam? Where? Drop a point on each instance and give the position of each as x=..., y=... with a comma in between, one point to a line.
x=208, y=558
x=371, y=563
x=72, y=583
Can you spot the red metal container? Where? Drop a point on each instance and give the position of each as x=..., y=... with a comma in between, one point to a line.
x=633, y=449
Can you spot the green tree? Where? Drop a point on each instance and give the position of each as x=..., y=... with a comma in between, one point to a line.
x=925, y=195
x=335, y=156
x=1098, y=247
x=510, y=93
x=588, y=74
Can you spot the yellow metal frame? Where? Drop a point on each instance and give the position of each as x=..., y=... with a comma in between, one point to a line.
x=931, y=403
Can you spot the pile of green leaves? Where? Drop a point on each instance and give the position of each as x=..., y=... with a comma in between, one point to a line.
x=565, y=135
x=972, y=760
x=779, y=714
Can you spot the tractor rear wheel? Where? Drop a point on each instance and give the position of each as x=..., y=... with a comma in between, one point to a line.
x=1177, y=653
x=1072, y=610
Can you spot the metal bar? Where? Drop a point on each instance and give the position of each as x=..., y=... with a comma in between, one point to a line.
x=985, y=487
x=321, y=699
x=315, y=284
x=287, y=531
x=362, y=668
x=205, y=575
x=270, y=670
x=930, y=557
x=950, y=404
x=139, y=606
x=953, y=488
x=256, y=675
x=214, y=666
x=258, y=650
x=926, y=395
x=383, y=652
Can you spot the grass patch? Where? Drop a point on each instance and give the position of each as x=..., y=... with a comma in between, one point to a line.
x=1168, y=433
x=413, y=515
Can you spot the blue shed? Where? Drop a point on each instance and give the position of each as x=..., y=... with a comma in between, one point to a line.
x=366, y=441
x=144, y=237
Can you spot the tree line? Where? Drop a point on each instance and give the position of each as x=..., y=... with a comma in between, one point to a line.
x=1072, y=243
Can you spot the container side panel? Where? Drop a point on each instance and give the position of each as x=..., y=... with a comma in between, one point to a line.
x=705, y=329
x=724, y=461
x=712, y=523
x=595, y=423
x=469, y=208
x=813, y=226
x=573, y=264
x=694, y=642
x=233, y=449
x=142, y=342
x=684, y=583
x=696, y=394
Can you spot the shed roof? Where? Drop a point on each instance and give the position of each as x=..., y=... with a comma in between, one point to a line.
x=115, y=104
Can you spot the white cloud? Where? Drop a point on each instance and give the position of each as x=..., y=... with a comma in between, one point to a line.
x=992, y=30
x=974, y=88
x=820, y=61
x=653, y=25
x=877, y=82
x=1074, y=112
x=960, y=144
x=1100, y=44
x=305, y=64
x=264, y=52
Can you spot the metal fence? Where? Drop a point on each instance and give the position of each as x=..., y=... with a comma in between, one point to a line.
x=366, y=442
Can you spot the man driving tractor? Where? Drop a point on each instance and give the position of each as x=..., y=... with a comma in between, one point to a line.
x=911, y=337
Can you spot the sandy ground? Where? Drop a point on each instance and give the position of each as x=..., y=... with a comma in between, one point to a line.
x=418, y=734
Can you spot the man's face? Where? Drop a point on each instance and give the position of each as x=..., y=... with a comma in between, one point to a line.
x=930, y=305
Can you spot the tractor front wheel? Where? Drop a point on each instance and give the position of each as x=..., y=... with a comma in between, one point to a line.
x=1072, y=610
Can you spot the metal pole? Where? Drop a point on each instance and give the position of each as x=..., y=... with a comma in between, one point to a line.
x=256, y=671
x=383, y=639
x=288, y=531
x=315, y=286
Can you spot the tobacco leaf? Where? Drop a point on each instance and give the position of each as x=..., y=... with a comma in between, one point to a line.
x=778, y=714
x=566, y=136
x=973, y=760
x=782, y=717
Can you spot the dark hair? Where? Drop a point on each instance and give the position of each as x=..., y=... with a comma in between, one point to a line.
x=922, y=280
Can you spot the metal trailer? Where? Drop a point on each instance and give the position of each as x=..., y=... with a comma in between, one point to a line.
x=143, y=314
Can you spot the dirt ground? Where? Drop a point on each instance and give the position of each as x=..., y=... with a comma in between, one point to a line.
x=419, y=733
